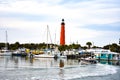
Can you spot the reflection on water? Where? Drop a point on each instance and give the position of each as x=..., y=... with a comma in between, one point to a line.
x=61, y=64
x=110, y=62
x=61, y=74
x=18, y=68
x=19, y=62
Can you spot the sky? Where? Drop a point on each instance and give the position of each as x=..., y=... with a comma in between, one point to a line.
x=96, y=21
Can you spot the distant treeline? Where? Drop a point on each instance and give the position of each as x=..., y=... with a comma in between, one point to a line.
x=113, y=47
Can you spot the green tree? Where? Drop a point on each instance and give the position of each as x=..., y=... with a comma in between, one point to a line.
x=2, y=45
x=62, y=47
x=17, y=44
x=89, y=44
x=106, y=46
x=84, y=47
x=14, y=46
x=114, y=47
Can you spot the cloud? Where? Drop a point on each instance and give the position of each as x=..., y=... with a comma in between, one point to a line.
x=86, y=19
x=87, y=14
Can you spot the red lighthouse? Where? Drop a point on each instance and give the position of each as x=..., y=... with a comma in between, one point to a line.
x=62, y=33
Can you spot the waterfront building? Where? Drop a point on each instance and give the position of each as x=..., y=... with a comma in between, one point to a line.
x=104, y=54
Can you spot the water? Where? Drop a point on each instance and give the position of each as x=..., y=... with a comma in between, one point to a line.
x=17, y=68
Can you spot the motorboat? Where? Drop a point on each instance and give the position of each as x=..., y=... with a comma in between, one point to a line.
x=20, y=52
x=88, y=60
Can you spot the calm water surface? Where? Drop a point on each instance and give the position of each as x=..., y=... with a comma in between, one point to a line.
x=17, y=68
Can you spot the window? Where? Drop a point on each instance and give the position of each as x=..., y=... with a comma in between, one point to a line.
x=101, y=54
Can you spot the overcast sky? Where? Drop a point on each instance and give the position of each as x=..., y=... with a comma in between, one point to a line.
x=97, y=21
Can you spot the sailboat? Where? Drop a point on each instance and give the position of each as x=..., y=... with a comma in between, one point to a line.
x=48, y=53
x=5, y=51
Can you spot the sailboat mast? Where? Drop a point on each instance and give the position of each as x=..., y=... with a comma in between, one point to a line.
x=6, y=46
x=55, y=38
x=47, y=36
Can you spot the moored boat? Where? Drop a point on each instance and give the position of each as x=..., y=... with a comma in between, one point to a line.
x=5, y=53
x=88, y=60
x=20, y=52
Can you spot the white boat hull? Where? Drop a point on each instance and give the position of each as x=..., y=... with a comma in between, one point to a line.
x=6, y=54
x=62, y=56
x=44, y=56
x=48, y=56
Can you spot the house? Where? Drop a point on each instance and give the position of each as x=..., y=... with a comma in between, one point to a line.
x=103, y=54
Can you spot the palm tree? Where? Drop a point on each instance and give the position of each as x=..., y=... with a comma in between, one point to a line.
x=89, y=44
